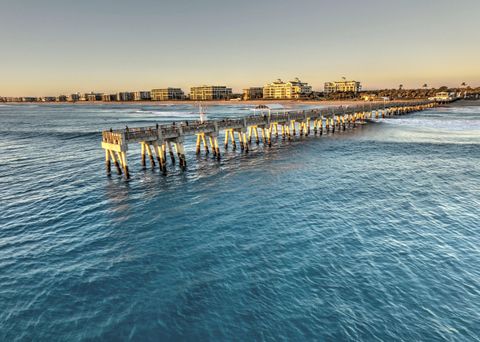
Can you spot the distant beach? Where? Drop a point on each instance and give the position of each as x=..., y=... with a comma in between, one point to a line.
x=286, y=103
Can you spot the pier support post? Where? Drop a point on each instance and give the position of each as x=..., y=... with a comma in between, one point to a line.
x=170, y=151
x=197, y=145
x=287, y=130
x=269, y=136
x=144, y=164
x=227, y=132
x=158, y=148
x=182, y=161
x=205, y=145
x=232, y=136
x=123, y=157
x=240, y=140
x=212, y=145
x=217, y=149
x=116, y=161
x=150, y=154
x=107, y=162
x=245, y=142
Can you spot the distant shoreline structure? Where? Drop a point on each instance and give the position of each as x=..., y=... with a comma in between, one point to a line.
x=279, y=90
x=206, y=102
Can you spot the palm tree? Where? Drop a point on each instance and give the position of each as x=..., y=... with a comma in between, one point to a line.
x=463, y=84
x=425, y=85
x=400, y=87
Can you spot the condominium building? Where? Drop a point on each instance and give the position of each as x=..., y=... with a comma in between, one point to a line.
x=11, y=99
x=109, y=97
x=48, y=99
x=252, y=93
x=342, y=87
x=141, y=95
x=286, y=90
x=74, y=97
x=165, y=94
x=93, y=97
x=210, y=93
x=125, y=96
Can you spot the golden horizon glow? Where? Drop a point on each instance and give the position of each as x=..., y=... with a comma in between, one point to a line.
x=53, y=49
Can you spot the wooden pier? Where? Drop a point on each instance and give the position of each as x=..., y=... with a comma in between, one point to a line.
x=161, y=141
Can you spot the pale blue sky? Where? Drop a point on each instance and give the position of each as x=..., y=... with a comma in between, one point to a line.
x=53, y=46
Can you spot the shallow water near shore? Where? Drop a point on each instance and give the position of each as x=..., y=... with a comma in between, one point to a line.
x=369, y=234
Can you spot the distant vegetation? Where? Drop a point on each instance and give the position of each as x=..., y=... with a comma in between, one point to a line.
x=401, y=93
x=424, y=92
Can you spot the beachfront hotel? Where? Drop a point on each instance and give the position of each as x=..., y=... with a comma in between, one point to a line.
x=203, y=93
x=252, y=93
x=342, y=87
x=286, y=90
x=165, y=94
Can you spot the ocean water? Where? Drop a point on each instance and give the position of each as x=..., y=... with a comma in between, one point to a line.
x=368, y=235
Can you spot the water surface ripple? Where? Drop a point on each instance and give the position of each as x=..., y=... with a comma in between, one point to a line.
x=371, y=234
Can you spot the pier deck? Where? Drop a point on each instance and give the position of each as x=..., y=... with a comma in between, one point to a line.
x=156, y=140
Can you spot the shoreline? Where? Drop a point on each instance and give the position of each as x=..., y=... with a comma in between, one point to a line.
x=286, y=103
x=206, y=103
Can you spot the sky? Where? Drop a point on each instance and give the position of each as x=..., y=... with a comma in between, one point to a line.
x=52, y=47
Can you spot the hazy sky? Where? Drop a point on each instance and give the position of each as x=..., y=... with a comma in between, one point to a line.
x=52, y=46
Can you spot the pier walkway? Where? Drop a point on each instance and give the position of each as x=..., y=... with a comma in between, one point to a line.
x=156, y=141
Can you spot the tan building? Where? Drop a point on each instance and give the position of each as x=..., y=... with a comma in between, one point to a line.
x=210, y=93
x=141, y=96
x=286, y=90
x=109, y=97
x=342, y=87
x=93, y=97
x=252, y=93
x=165, y=94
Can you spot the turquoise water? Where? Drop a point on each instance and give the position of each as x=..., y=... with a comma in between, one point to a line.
x=372, y=234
